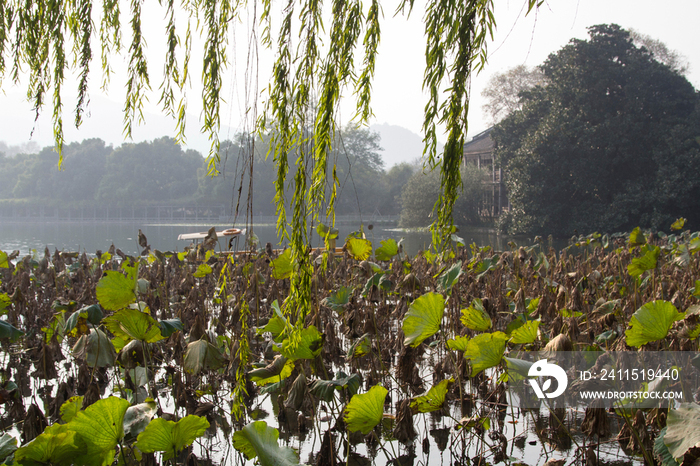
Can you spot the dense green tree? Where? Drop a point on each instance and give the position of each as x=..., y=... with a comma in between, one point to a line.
x=150, y=172
x=422, y=191
x=607, y=143
x=396, y=179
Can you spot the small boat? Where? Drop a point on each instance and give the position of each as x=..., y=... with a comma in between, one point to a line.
x=220, y=234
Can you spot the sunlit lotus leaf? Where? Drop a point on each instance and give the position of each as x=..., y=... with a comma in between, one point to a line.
x=8, y=444
x=132, y=324
x=138, y=416
x=475, y=317
x=449, y=277
x=202, y=271
x=636, y=238
x=115, y=291
x=639, y=265
x=101, y=427
x=56, y=445
x=257, y=440
x=423, y=318
x=96, y=349
x=388, y=249
x=682, y=429
x=326, y=231
x=283, y=265
x=170, y=326
x=4, y=261
x=279, y=369
x=5, y=302
x=201, y=354
x=678, y=224
x=325, y=389
x=458, y=344
x=70, y=408
x=652, y=322
x=171, y=437
x=485, y=350
x=364, y=411
x=433, y=400
x=306, y=344
x=359, y=248
x=526, y=333
x=338, y=299
x=7, y=330
x=360, y=347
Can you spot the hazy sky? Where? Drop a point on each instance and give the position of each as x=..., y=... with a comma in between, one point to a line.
x=397, y=98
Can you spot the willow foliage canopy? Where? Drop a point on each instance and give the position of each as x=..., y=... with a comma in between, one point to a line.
x=316, y=60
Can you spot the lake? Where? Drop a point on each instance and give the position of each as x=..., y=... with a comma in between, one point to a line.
x=90, y=237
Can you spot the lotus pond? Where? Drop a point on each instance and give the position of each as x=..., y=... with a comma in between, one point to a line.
x=193, y=357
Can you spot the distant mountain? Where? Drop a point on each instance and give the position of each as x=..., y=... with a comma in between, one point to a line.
x=399, y=144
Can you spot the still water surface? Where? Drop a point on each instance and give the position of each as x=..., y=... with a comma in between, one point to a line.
x=90, y=237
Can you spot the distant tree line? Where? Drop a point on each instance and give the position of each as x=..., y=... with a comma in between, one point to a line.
x=160, y=172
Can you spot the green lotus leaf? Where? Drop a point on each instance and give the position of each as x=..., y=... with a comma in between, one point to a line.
x=388, y=249
x=359, y=248
x=257, y=440
x=338, y=299
x=8, y=444
x=360, y=347
x=201, y=354
x=423, y=318
x=678, y=224
x=5, y=301
x=4, y=261
x=475, y=317
x=661, y=451
x=115, y=291
x=96, y=349
x=364, y=411
x=171, y=437
x=325, y=389
x=380, y=280
x=279, y=369
x=170, y=326
x=58, y=444
x=458, y=344
x=517, y=369
x=132, y=324
x=137, y=417
x=70, y=408
x=9, y=331
x=100, y=426
x=306, y=344
x=202, y=271
x=485, y=350
x=682, y=429
x=652, y=322
x=483, y=267
x=433, y=400
x=324, y=231
x=449, y=277
x=636, y=238
x=283, y=265
x=639, y=265
x=526, y=333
